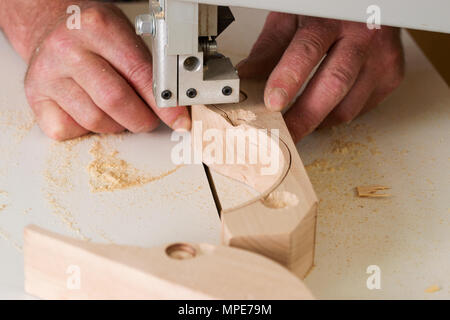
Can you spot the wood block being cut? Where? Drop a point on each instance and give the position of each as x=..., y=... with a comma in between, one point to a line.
x=280, y=222
x=59, y=267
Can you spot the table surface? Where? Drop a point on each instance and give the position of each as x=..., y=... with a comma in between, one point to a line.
x=403, y=144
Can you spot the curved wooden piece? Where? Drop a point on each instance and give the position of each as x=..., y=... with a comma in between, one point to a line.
x=280, y=223
x=58, y=267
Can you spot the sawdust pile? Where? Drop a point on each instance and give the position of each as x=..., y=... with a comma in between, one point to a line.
x=350, y=149
x=108, y=172
x=323, y=166
x=59, y=173
x=349, y=157
x=64, y=176
x=20, y=121
x=64, y=215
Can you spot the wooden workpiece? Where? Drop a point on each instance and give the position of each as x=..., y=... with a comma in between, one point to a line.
x=405, y=144
x=280, y=222
x=59, y=267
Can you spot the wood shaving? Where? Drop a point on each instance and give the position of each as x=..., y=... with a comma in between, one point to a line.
x=65, y=216
x=371, y=191
x=240, y=115
x=20, y=121
x=433, y=289
x=280, y=200
x=108, y=172
x=58, y=175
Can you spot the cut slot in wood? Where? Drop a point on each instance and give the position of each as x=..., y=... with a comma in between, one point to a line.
x=280, y=223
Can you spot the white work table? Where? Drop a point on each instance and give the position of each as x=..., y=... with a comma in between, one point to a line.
x=403, y=144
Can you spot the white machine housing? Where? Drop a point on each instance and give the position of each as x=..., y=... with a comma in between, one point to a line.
x=187, y=69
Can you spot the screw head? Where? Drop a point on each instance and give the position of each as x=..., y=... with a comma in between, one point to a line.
x=227, y=91
x=191, y=93
x=166, y=94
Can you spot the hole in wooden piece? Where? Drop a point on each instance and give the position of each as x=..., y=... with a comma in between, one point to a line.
x=181, y=251
x=242, y=96
x=280, y=200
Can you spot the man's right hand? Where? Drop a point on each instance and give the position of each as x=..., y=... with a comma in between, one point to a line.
x=96, y=79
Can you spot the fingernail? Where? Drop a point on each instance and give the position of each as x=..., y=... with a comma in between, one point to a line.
x=277, y=99
x=182, y=123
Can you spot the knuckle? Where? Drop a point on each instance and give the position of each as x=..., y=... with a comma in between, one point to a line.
x=114, y=97
x=288, y=78
x=58, y=131
x=306, y=52
x=269, y=39
x=359, y=52
x=94, y=122
x=60, y=42
x=339, y=80
x=321, y=24
x=146, y=126
x=95, y=17
x=311, y=47
x=75, y=57
x=140, y=73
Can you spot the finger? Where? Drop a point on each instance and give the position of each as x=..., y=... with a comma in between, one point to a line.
x=353, y=103
x=177, y=118
x=131, y=58
x=138, y=72
x=55, y=122
x=330, y=84
x=268, y=49
x=111, y=93
x=384, y=90
x=377, y=97
x=77, y=103
x=307, y=48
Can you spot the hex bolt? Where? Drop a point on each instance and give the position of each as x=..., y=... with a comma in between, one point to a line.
x=145, y=25
x=166, y=94
x=227, y=91
x=191, y=93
